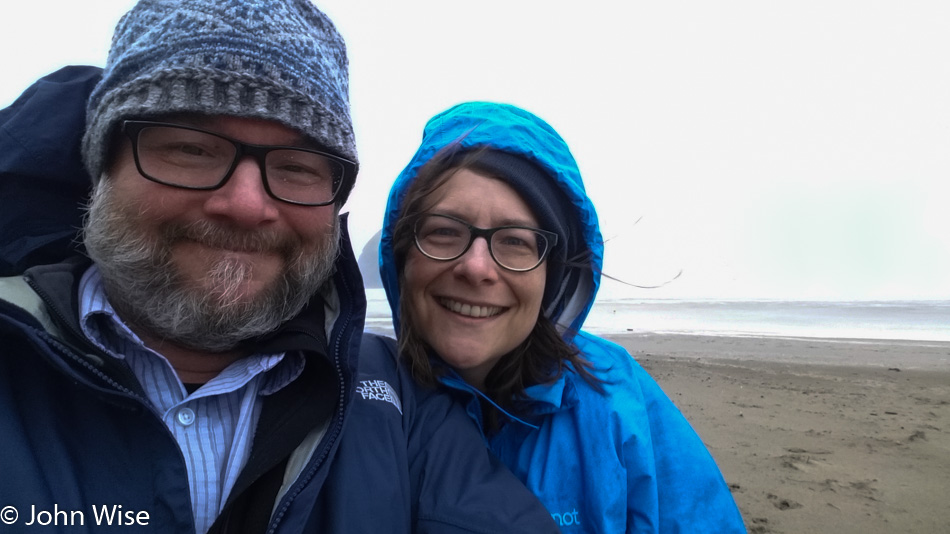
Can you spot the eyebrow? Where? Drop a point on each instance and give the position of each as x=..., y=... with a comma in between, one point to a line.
x=207, y=123
x=504, y=222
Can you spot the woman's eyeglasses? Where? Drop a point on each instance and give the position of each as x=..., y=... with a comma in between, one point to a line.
x=516, y=248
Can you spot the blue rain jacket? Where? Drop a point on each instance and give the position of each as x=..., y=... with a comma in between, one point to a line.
x=623, y=461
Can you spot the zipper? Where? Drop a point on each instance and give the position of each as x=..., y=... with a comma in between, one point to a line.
x=458, y=384
x=332, y=434
x=73, y=352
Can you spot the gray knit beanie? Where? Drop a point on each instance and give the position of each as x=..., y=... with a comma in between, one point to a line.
x=280, y=60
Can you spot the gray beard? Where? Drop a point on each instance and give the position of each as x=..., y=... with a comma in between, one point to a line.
x=149, y=292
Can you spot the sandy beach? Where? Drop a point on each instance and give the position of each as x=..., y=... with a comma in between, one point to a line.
x=817, y=436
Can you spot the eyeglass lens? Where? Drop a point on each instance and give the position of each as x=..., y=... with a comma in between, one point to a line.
x=201, y=160
x=515, y=248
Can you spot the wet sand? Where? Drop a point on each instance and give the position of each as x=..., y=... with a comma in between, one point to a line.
x=817, y=436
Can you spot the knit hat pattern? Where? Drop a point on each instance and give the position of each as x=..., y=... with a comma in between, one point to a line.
x=280, y=60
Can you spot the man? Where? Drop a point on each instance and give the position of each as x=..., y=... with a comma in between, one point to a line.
x=200, y=373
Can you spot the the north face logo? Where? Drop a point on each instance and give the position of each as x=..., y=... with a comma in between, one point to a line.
x=379, y=390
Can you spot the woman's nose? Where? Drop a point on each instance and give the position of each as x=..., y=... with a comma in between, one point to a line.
x=477, y=264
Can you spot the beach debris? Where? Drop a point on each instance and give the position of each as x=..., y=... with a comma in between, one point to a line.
x=894, y=369
x=783, y=504
x=795, y=461
x=865, y=488
x=760, y=526
x=799, y=450
x=803, y=459
x=917, y=435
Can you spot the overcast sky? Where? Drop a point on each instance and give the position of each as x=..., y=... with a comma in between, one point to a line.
x=789, y=149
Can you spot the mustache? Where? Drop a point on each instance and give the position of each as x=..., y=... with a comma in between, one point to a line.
x=214, y=235
x=147, y=288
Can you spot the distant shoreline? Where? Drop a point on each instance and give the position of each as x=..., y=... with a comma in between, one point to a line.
x=869, y=321
x=900, y=354
x=757, y=335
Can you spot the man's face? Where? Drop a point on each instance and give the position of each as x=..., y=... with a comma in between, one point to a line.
x=207, y=269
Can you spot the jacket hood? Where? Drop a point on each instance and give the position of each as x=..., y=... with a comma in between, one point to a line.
x=509, y=129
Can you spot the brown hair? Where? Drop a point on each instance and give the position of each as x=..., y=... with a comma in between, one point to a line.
x=541, y=358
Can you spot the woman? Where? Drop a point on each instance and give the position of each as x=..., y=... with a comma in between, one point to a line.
x=491, y=258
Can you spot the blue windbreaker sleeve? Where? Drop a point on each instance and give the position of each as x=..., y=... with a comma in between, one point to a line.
x=43, y=184
x=693, y=496
x=673, y=483
x=690, y=493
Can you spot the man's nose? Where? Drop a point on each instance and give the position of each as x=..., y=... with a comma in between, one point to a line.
x=243, y=199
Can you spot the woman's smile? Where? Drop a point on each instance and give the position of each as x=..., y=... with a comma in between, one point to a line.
x=470, y=310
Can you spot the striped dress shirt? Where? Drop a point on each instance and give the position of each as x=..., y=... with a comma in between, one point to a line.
x=214, y=425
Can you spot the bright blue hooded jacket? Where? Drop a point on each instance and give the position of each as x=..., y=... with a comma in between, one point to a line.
x=625, y=460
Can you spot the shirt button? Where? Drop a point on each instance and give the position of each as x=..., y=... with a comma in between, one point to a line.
x=186, y=416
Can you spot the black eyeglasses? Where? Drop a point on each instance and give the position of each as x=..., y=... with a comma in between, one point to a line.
x=516, y=248
x=192, y=158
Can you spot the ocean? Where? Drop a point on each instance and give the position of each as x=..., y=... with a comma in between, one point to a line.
x=917, y=320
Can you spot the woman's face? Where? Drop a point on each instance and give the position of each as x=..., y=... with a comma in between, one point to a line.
x=470, y=310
